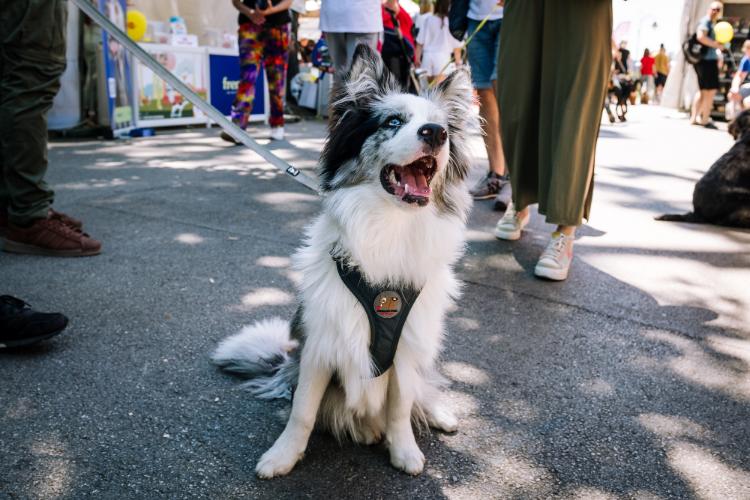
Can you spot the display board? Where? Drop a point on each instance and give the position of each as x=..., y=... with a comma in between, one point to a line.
x=157, y=103
x=224, y=70
x=212, y=73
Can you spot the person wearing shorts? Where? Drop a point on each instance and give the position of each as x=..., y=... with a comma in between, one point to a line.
x=661, y=65
x=707, y=69
x=346, y=25
x=435, y=44
x=482, y=52
x=740, y=91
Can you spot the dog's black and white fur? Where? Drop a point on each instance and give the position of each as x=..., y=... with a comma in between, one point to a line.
x=722, y=195
x=380, y=140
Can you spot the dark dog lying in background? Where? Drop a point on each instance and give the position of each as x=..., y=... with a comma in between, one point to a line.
x=722, y=195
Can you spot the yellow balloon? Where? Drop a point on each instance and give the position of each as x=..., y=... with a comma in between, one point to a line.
x=136, y=24
x=723, y=32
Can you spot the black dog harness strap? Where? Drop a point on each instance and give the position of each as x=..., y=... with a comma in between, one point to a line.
x=386, y=309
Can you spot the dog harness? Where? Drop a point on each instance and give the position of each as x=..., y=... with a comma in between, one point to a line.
x=387, y=310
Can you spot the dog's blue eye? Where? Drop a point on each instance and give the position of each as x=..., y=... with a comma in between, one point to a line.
x=394, y=122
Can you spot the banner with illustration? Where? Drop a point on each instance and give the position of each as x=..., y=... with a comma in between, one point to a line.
x=158, y=103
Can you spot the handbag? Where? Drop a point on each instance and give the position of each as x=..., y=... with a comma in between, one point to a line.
x=394, y=43
x=458, y=18
x=693, y=50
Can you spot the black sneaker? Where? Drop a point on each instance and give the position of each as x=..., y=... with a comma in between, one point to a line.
x=20, y=325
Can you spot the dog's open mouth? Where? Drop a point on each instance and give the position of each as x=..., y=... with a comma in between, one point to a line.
x=410, y=183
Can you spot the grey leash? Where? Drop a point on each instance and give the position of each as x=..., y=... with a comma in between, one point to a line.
x=210, y=111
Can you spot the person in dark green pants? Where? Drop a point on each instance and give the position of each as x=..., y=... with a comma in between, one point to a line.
x=32, y=58
x=556, y=57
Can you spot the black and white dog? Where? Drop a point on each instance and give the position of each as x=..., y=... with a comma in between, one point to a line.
x=722, y=195
x=376, y=264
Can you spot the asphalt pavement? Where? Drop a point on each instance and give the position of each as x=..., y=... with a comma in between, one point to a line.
x=629, y=380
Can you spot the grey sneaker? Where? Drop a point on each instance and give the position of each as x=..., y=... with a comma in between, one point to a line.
x=488, y=186
x=554, y=263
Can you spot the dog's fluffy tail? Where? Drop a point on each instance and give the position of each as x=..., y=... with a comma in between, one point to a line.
x=265, y=354
x=688, y=217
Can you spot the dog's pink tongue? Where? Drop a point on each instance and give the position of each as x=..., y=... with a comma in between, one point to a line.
x=416, y=182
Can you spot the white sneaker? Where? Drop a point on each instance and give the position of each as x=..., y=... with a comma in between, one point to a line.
x=277, y=133
x=554, y=263
x=510, y=224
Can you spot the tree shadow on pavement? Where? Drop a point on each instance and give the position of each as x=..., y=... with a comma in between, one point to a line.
x=590, y=387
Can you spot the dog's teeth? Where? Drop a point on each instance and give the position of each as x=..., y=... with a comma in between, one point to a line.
x=392, y=177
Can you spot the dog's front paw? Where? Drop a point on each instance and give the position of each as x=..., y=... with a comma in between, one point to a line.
x=443, y=420
x=408, y=459
x=277, y=461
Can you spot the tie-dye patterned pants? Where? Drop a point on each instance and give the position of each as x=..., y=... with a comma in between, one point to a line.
x=267, y=46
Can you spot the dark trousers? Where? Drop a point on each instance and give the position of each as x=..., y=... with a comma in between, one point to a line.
x=32, y=58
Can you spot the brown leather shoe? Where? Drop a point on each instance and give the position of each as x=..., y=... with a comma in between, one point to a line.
x=53, y=214
x=65, y=218
x=51, y=237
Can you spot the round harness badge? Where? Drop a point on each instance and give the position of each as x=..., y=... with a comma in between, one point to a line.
x=387, y=304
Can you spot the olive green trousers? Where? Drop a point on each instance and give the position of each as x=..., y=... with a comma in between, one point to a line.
x=32, y=58
x=554, y=65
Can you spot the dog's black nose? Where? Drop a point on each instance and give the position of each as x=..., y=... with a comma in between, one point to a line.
x=433, y=134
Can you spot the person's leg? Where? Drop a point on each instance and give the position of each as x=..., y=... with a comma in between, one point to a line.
x=337, y=50
x=251, y=53
x=518, y=87
x=482, y=53
x=31, y=62
x=651, y=86
x=707, y=105
x=341, y=47
x=4, y=193
x=354, y=39
x=571, y=97
x=490, y=113
x=695, y=107
x=276, y=46
x=32, y=55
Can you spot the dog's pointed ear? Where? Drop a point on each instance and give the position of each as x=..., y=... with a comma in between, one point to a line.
x=456, y=93
x=367, y=79
x=366, y=63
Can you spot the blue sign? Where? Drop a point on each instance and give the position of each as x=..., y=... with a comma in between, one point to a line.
x=117, y=70
x=225, y=78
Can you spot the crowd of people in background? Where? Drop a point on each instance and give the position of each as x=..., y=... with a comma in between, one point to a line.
x=643, y=82
x=549, y=162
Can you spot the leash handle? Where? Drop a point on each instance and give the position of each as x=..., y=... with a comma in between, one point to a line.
x=210, y=111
